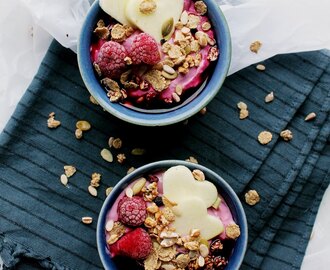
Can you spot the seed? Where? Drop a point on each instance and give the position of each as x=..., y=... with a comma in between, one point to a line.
x=87, y=220
x=138, y=151
x=167, y=28
x=168, y=69
x=265, y=137
x=201, y=261
x=139, y=184
x=260, y=67
x=106, y=155
x=109, y=225
x=310, y=116
x=129, y=192
x=269, y=97
x=64, y=179
x=92, y=190
x=203, y=250
x=83, y=125
x=108, y=191
x=78, y=133
x=169, y=76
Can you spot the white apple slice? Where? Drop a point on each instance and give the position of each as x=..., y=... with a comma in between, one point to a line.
x=179, y=184
x=193, y=215
x=153, y=23
x=116, y=9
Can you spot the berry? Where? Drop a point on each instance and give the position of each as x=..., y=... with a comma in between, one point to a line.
x=135, y=244
x=132, y=211
x=110, y=59
x=144, y=49
x=220, y=263
x=158, y=201
x=216, y=247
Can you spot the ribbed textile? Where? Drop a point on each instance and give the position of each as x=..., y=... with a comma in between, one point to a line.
x=40, y=219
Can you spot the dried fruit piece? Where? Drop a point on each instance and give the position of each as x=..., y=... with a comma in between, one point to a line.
x=87, y=220
x=83, y=125
x=286, y=135
x=265, y=137
x=252, y=197
x=106, y=155
x=233, y=231
x=255, y=46
x=270, y=97
x=260, y=67
x=64, y=179
x=310, y=116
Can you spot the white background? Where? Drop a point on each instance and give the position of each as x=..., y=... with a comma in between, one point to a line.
x=28, y=26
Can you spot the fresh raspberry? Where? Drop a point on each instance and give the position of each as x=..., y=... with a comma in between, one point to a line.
x=110, y=59
x=135, y=244
x=132, y=211
x=144, y=49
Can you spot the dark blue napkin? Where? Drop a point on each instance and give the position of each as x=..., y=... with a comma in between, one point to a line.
x=40, y=219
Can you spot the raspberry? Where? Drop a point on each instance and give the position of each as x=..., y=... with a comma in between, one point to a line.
x=132, y=211
x=110, y=59
x=144, y=49
x=135, y=244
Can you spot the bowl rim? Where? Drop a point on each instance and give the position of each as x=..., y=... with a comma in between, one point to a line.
x=167, y=118
x=221, y=184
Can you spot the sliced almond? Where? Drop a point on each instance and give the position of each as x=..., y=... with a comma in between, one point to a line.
x=139, y=184
x=129, y=192
x=203, y=250
x=310, y=116
x=64, y=179
x=106, y=155
x=201, y=261
x=270, y=97
x=78, y=133
x=109, y=225
x=261, y=67
x=92, y=190
x=87, y=220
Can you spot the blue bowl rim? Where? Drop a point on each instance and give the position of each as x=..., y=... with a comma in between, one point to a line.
x=214, y=83
x=223, y=187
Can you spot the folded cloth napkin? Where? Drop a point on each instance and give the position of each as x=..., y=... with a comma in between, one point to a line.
x=41, y=218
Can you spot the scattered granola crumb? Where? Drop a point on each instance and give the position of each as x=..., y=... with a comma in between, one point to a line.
x=87, y=220
x=310, y=116
x=118, y=33
x=93, y=100
x=270, y=97
x=198, y=175
x=131, y=169
x=83, y=125
x=203, y=111
x=233, y=231
x=108, y=191
x=78, y=133
x=106, y=155
x=255, y=46
x=117, y=143
x=286, y=135
x=51, y=122
x=121, y=158
x=192, y=160
x=64, y=179
x=69, y=170
x=261, y=67
x=243, y=113
x=95, y=181
x=252, y=197
x=102, y=32
x=265, y=137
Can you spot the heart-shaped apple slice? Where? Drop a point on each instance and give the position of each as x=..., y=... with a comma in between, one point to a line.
x=179, y=184
x=192, y=214
x=116, y=9
x=164, y=14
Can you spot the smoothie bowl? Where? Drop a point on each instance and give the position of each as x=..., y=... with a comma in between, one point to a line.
x=172, y=215
x=154, y=62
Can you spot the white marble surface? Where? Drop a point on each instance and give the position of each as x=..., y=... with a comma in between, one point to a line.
x=23, y=43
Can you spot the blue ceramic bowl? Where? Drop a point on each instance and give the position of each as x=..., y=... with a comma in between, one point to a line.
x=166, y=117
x=224, y=190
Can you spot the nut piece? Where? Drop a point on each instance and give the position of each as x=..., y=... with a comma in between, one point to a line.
x=252, y=197
x=201, y=261
x=265, y=137
x=121, y=158
x=243, y=114
x=78, y=133
x=83, y=125
x=255, y=46
x=198, y=175
x=69, y=170
x=87, y=220
x=51, y=122
x=92, y=190
x=148, y=7
x=64, y=179
x=286, y=135
x=270, y=97
x=242, y=106
x=310, y=116
x=261, y=67
x=106, y=155
x=233, y=231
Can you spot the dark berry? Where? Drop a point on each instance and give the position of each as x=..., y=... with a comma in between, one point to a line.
x=158, y=201
x=219, y=263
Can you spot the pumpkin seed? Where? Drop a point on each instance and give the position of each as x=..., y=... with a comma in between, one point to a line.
x=167, y=28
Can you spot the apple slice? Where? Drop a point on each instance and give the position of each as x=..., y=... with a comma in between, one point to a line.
x=116, y=9
x=194, y=215
x=166, y=12
x=179, y=184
